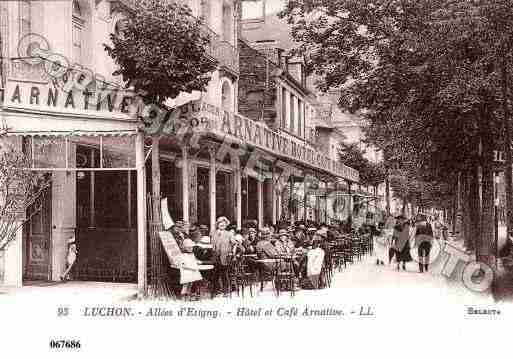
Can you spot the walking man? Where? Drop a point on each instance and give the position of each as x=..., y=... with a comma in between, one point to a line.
x=423, y=241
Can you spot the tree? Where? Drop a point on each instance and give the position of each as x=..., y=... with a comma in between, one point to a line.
x=161, y=52
x=19, y=188
x=371, y=174
x=425, y=72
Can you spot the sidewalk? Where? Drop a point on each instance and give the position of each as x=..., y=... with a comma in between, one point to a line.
x=79, y=292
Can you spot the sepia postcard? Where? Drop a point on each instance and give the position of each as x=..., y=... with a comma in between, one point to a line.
x=256, y=178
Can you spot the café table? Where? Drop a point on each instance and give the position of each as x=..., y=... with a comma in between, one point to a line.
x=262, y=265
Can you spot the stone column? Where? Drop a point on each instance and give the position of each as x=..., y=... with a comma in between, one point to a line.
x=212, y=186
x=141, y=216
x=185, y=183
x=260, y=199
x=63, y=219
x=237, y=176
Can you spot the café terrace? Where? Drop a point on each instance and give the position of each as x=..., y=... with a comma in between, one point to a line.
x=96, y=153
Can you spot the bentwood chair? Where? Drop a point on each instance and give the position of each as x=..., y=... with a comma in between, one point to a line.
x=357, y=248
x=348, y=252
x=247, y=275
x=337, y=255
x=285, y=278
x=233, y=277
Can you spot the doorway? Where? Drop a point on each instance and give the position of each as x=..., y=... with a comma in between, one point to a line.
x=38, y=238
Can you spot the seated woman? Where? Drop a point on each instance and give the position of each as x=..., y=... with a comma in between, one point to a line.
x=315, y=260
x=189, y=270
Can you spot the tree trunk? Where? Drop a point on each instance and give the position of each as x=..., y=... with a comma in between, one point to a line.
x=507, y=146
x=486, y=252
x=387, y=194
x=155, y=177
x=474, y=208
x=465, y=209
x=454, y=210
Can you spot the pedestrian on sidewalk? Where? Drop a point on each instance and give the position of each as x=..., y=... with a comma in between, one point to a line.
x=381, y=244
x=71, y=258
x=423, y=239
x=401, y=242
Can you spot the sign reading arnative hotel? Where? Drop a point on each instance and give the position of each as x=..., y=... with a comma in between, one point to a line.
x=49, y=97
x=205, y=117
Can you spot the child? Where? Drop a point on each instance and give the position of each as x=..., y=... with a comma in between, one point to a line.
x=71, y=258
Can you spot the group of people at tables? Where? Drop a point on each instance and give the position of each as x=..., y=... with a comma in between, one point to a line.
x=301, y=247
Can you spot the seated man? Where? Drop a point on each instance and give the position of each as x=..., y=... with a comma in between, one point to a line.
x=265, y=249
x=250, y=241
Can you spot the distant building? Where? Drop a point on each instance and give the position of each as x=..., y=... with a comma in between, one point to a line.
x=328, y=125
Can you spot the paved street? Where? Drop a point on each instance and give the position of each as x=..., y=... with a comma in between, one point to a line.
x=359, y=280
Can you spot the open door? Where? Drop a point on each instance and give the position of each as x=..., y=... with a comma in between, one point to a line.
x=38, y=233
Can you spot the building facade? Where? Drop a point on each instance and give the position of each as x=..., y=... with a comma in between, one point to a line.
x=213, y=161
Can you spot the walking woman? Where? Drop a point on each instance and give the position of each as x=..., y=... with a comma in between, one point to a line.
x=401, y=242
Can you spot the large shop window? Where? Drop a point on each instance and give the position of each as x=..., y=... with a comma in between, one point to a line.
x=59, y=152
x=171, y=188
x=105, y=199
x=224, y=195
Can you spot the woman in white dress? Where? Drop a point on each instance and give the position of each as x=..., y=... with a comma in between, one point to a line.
x=189, y=270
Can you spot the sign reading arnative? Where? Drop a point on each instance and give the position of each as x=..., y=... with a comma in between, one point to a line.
x=51, y=98
x=204, y=117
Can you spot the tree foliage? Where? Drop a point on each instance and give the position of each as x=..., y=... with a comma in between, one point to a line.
x=371, y=174
x=19, y=188
x=162, y=50
x=424, y=72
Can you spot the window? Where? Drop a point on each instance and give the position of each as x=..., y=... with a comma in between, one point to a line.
x=77, y=35
x=226, y=97
x=283, y=107
x=205, y=11
x=227, y=24
x=252, y=9
x=300, y=118
x=25, y=14
x=292, y=100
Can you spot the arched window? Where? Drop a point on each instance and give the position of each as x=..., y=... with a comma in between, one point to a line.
x=78, y=29
x=226, y=96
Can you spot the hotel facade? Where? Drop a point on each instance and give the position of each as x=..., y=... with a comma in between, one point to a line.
x=96, y=153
